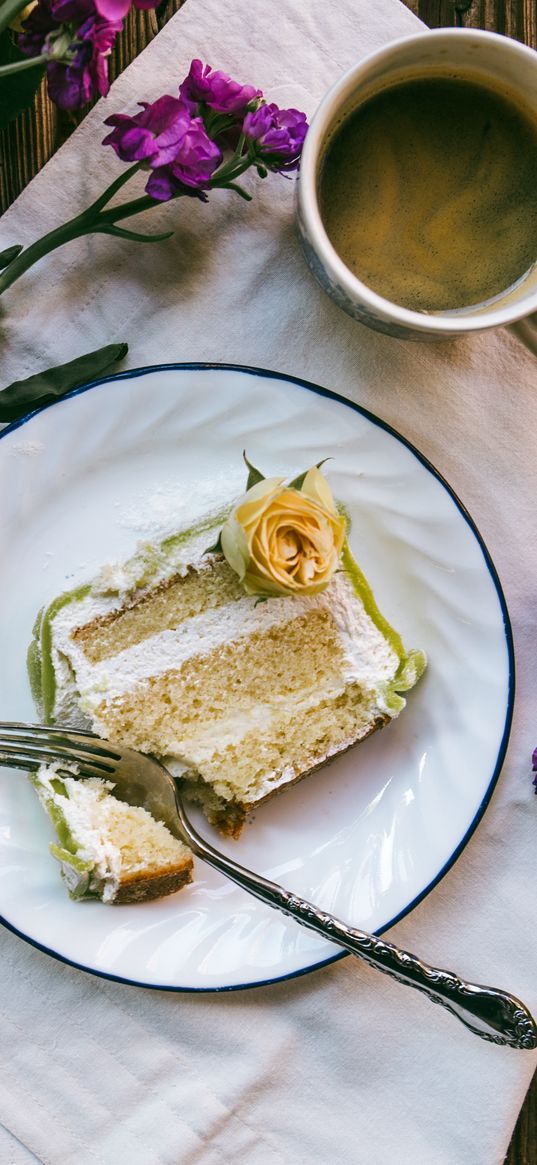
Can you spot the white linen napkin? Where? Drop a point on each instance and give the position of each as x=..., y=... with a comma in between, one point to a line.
x=342, y=1064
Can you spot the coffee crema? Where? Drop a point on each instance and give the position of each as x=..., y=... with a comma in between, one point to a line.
x=428, y=193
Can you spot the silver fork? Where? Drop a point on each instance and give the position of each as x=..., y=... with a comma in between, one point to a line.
x=140, y=780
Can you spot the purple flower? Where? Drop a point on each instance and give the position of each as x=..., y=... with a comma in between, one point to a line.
x=74, y=84
x=192, y=168
x=78, y=43
x=117, y=9
x=534, y=767
x=277, y=136
x=174, y=145
x=216, y=90
x=154, y=135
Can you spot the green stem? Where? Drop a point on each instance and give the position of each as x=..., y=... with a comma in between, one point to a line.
x=86, y=223
x=95, y=220
x=126, y=209
x=18, y=66
x=83, y=224
x=113, y=189
x=73, y=229
x=230, y=167
x=9, y=10
x=238, y=190
x=228, y=174
x=216, y=123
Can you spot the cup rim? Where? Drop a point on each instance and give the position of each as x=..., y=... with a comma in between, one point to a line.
x=309, y=211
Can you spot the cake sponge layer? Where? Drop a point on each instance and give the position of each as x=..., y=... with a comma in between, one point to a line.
x=166, y=606
x=108, y=849
x=185, y=711
x=298, y=742
x=239, y=696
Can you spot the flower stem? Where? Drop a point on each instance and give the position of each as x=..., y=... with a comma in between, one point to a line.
x=96, y=220
x=9, y=10
x=227, y=174
x=217, y=123
x=70, y=230
x=126, y=209
x=27, y=63
x=91, y=221
x=83, y=224
x=113, y=189
x=238, y=190
x=230, y=167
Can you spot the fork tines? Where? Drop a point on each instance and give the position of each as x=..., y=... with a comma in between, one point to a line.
x=28, y=746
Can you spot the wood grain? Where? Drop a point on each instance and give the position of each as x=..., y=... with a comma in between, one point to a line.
x=27, y=144
x=516, y=18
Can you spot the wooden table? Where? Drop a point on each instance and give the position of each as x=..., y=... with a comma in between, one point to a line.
x=27, y=144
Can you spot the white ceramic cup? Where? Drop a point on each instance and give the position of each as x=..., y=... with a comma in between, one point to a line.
x=472, y=54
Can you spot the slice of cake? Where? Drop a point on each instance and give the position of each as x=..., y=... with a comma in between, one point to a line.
x=107, y=849
x=245, y=667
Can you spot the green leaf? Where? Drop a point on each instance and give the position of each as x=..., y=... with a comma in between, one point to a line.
x=7, y=256
x=134, y=236
x=239, y=190
x=298, y=482
x=217, y=549
x=17, y=91
x=254, y=475
x=24, y=396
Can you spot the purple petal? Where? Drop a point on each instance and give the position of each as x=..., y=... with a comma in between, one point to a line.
x=134, y=144
x=69, y=88
x=155, y=134
x=197, y=158
x=113, y=9
x=161, y=185
x=278, y=135
x=216, y=90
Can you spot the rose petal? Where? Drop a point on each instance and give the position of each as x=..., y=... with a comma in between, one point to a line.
x=317, y=488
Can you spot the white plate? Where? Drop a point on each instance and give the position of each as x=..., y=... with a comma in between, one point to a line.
x=81, y=483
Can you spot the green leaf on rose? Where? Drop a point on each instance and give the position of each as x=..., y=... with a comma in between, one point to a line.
x=217, y=548
x=23, y=396
x=298, y=482
x=254, y=475
x=17, y=90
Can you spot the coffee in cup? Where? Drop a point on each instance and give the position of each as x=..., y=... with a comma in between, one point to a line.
x=417, y=197
x=428, y=193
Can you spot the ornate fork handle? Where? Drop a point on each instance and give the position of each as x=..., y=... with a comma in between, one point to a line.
x=489, y=1012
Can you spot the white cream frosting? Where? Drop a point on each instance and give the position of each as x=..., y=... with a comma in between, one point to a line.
x=82, y=810
x=369, y=659
x=82, y=687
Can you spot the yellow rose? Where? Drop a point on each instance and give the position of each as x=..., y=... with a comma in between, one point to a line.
x=285, y=541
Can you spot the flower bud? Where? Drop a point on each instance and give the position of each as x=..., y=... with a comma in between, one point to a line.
x=285, y=540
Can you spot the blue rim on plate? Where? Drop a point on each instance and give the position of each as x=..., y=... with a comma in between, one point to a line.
x=329, y=393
